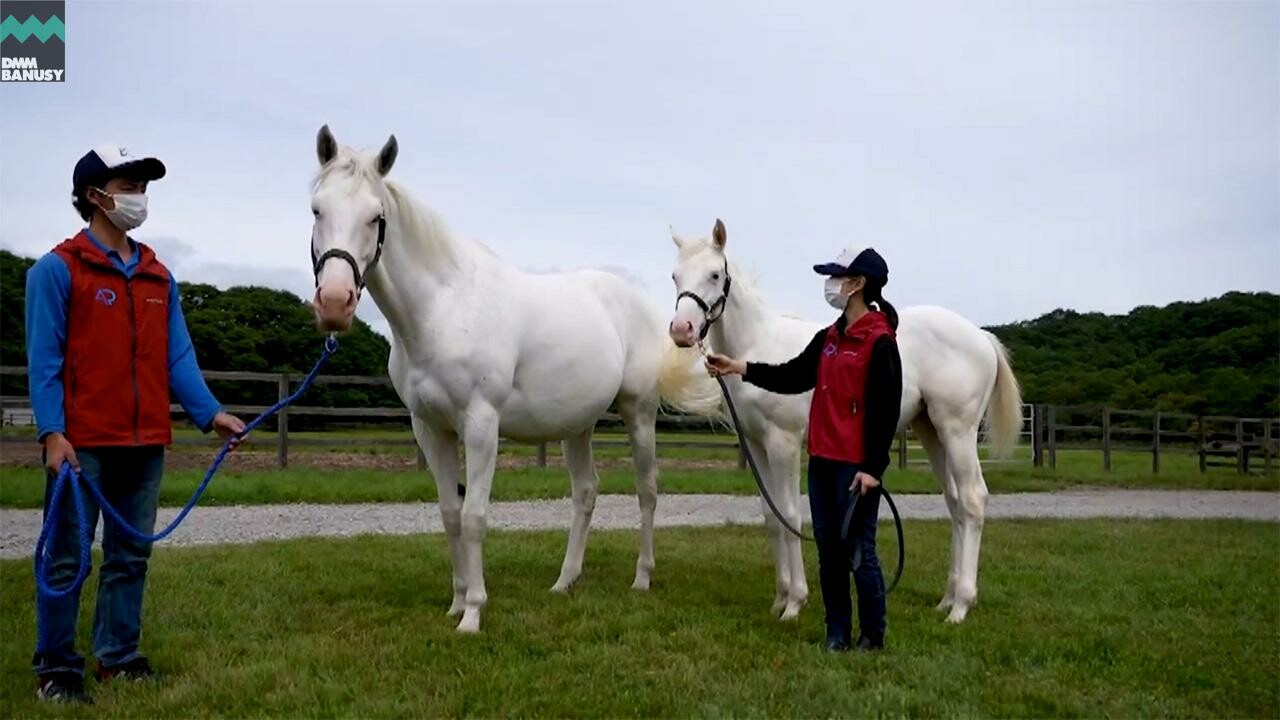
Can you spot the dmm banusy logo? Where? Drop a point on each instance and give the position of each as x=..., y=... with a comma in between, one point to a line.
x=33, y=41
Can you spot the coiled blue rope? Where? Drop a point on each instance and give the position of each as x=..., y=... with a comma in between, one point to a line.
x=68, y=477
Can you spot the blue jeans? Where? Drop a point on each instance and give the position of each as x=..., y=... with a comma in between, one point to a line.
x=829, y=499
x=130, y=480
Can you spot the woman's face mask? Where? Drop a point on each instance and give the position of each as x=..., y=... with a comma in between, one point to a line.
x=838, y=290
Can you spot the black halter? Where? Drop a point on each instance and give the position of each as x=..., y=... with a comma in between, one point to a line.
x=318, y=262
x=710, y=313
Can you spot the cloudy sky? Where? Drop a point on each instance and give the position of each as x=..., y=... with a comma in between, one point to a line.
x=1007, y=158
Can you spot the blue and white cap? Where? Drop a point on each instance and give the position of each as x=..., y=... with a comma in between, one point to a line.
x=866, y=263
x=112, y=161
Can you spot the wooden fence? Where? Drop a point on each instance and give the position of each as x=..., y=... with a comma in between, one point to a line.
x=1042, y=427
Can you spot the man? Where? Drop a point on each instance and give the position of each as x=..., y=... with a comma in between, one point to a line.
x=106, y=343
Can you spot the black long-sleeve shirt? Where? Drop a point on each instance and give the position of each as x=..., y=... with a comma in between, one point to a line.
x=882, y=401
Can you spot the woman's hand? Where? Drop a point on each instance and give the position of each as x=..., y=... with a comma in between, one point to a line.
x=229, y=426
x=718, y=365
x=865, y=481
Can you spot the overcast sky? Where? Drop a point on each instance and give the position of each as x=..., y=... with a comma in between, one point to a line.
x=1007, y=159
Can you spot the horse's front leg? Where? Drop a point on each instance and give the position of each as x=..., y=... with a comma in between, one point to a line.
x=440, y=447
x=480, y=440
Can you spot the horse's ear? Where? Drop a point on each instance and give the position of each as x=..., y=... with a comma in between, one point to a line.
x=387, y=156
x=719, y=236
x=675, y=237
x=326, y=146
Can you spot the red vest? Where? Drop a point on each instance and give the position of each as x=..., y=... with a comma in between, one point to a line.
x=115, y=375
x=836, y=412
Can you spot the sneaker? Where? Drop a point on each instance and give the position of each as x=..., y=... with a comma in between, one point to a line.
x=135, y=670
x=836, y=645
x=866, y=644
x=62, y=687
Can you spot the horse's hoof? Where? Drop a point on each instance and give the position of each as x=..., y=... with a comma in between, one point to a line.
x=561, y=587
x=779, y=603
x=792, y=612
x=641, y=584
x=470, y=624
x=945, y=604
x=957, y=614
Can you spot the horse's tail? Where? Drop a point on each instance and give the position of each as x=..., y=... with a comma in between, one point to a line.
x=1003, y=422
x=684, y=385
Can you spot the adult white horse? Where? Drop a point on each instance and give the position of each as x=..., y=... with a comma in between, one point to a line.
x=482, y=350
x=954, y=374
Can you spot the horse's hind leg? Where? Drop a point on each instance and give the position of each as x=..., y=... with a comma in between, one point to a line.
x=582, y=473
x=971, y=506
x=924, y=430
x=640, y=416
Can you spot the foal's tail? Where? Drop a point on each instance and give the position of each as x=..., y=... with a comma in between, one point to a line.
x=683, y=383
x=1003, y=423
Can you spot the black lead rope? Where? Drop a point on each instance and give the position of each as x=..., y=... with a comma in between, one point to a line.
x=848, y=517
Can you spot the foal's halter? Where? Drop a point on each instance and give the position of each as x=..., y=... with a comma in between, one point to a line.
x=713, y=312
x=317, y=263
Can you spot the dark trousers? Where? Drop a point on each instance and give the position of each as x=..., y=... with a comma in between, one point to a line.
x=130, y=480
x=829, y=499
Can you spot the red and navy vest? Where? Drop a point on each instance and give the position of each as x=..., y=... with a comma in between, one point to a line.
x=115, y=372
x=836, y=412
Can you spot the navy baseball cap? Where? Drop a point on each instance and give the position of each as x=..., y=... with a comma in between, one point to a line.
x=852, y=263
x=106, y=162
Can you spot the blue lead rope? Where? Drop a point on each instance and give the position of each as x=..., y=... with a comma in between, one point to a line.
x=68, y=477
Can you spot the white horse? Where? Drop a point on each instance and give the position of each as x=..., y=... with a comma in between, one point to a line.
x=954, y=374
x=482, y=350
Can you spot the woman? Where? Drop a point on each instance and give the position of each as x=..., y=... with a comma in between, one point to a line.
x=855, y=372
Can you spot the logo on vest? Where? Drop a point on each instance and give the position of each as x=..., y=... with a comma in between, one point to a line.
x=829, y=350
x=106, y=296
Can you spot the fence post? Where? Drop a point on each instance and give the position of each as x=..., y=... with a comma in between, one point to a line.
x=902, y=449
x=1266, y=446
x=542, y=454
x=1037, y=435
x=1106, y=439
x=1242, y=461
x=1053, y=437
x=282, y=423
x=1155, y=444
x=422, y=458
x=1201, y=438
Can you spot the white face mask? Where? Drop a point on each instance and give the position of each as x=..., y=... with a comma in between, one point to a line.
x=835, y=297
x=130, y=210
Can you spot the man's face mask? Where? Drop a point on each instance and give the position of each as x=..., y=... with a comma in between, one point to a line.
x=130, y=210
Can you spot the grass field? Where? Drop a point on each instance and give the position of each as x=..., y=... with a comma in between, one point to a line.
x=24, y=486
x=1120, y=619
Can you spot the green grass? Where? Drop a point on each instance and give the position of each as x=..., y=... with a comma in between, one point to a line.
x=1093, y=619
x=24, y=487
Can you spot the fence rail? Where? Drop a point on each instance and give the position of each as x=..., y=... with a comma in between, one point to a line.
x=1101, y=427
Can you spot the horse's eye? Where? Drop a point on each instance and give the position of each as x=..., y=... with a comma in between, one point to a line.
x=315, y=211
x=715, y=277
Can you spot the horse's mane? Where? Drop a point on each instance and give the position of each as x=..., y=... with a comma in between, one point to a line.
x=418, y=221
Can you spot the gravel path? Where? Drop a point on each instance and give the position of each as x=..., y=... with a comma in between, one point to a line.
x=247, y=524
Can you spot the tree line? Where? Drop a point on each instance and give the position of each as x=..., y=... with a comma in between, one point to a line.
x=1219, y=356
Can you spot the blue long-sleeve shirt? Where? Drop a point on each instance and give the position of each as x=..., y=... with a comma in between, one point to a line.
x=48, y=290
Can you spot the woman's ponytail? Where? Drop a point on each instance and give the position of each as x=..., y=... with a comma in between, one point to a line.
x=873, y=294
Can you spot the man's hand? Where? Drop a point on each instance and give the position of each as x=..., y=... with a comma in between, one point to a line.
x=723, y=365
x=865, y=481
x=57, y=449
x=229, y=426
